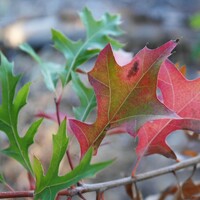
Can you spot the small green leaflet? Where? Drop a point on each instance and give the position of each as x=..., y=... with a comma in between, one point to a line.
x=12, y=103
x=50, y=71
x=98, y=34
x=48, y=185
x=2, y=180
x=86, y=96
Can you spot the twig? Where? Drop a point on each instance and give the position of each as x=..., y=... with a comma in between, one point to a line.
x=69, y=159
x=16, y=194
x=57, y=104
x=140, y=177
x=111, y=184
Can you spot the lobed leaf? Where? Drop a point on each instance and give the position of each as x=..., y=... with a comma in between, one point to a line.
x=98, y=34
x=183, y=97
x=12, y=103
x=125, y=95
x=48, y=185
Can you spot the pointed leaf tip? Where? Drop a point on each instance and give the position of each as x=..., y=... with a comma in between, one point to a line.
x=180, y=95
x=13, y=100
x=98, y=34
x=51, y=183
x=118, y=92
x=177, y=40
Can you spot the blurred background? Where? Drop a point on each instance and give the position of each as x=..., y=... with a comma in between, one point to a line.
x=150, y=23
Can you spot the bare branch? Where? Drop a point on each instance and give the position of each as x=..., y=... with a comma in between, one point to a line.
x=111, y=184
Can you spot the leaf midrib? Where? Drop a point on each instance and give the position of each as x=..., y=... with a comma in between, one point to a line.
x=87, y=41
x=170, y=120
x=110, y=120
x=63, y=182
x=150, y=67
x=13, y=129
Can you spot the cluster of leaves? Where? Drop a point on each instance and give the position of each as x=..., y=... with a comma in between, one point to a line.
x=47, y=186
x=126, y=98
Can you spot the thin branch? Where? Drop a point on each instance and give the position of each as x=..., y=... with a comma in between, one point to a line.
x=140, y=177
x=16, y=194
x=111, y=184
x=178, y=184
x=57, y=104
x=31, y=181
x=69, y=159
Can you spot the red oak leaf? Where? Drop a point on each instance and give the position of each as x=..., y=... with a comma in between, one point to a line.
x=183, y=97
x=124, y=94
x=179, y=94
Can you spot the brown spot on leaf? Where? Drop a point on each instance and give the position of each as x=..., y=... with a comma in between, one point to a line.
x=134, y=69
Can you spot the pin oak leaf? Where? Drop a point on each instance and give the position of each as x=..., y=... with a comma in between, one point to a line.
x=13, y=101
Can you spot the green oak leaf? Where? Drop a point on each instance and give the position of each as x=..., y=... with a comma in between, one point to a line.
x=50, y=71
x=12, y=103
x=48, y=185
x=86, y=96
x=98, y=34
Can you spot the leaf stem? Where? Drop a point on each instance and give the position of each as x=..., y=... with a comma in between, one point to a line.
x=57, y=104
x=69, y=159
x=111, y=184
x=31, y=181
x=9, y=187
